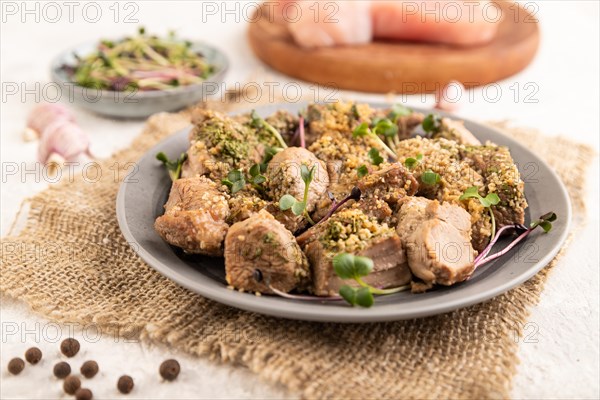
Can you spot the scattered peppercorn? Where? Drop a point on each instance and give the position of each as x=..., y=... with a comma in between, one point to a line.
x=69, y=347
x=62, y=370
x=125, y=384
x=169, y=369
x=72, y=383
x=89, y=369
x=83, y=394
x=16, y=365
x=33, y=355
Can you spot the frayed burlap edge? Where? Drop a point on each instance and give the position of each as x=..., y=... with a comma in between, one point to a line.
x=469, y=353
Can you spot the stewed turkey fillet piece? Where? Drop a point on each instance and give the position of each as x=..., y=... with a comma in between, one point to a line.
x=326, y=23
x=437, y=240
x=194, y=217
x=261, y=253
x=354, y=232
x=284, y=177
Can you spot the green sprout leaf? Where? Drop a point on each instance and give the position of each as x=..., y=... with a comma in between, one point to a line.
x=258, y=122
x=298, y=207
x=432, y=123
x=411, y=162
x=173, y=167
x=375, y=157
x=386, y=128
x=488, y=201
x=269, y=154
x=254, y=170
x=545, y=222
x=235, y=181
x=397, y=111
x=430, y=178
x=362, y=171
x=349, y=294
x=348, y=266
x=364, y=297
x=307, y=174
x=286, y=202
x=361, y=130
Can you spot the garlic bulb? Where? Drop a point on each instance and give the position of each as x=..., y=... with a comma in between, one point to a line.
x=60, y=137
x=46, y=113
x=63, y=138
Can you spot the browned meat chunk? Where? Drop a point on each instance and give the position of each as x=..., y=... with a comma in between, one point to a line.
x=260, y=253
x=283, y=121
x=456, y=176
x=354, y=232
x=437, y=240
x=244, y=204
x=380, y=192
x=194, y=217
x=502, y=177
x=391, y=184
x=198, y=161
x=407, y=124
x=229, y=144
x=284, y=176
x=455, y=130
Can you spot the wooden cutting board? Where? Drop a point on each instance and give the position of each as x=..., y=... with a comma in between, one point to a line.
x=401, y=67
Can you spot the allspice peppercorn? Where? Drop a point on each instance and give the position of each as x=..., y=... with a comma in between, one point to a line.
x=69, y=347
x=83, y=394
x=89, y=369
x=16, y=365
x=62, y=370
x=125, y=384
x=33, y=355
x=72, y=383
x=169, y=369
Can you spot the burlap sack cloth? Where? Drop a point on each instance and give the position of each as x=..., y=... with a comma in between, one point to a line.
x=94, y=277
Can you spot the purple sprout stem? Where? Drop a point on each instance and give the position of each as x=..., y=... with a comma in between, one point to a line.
x=335, y=206
x=487, y=249
x=486, y=260
x=301, y=131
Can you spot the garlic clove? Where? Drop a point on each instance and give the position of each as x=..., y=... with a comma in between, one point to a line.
x=29, y=135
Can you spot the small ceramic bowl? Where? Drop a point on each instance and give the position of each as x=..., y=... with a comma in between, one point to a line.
x=138, y=104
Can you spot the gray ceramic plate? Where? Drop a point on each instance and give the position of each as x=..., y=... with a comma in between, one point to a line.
x=141, y=198
x=139, y=104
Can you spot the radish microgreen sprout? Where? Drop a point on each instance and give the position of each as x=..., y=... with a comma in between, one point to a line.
x=348, y=266
x=430, y=178
x=235, y=181
x=432, y=124
x=544, y=222
x=289, y=202
x=173, y=167
x=411, y=162
x=375, y=157
x=363, y=130
x=362, y=171
x=258, y=122
x=488, y=201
